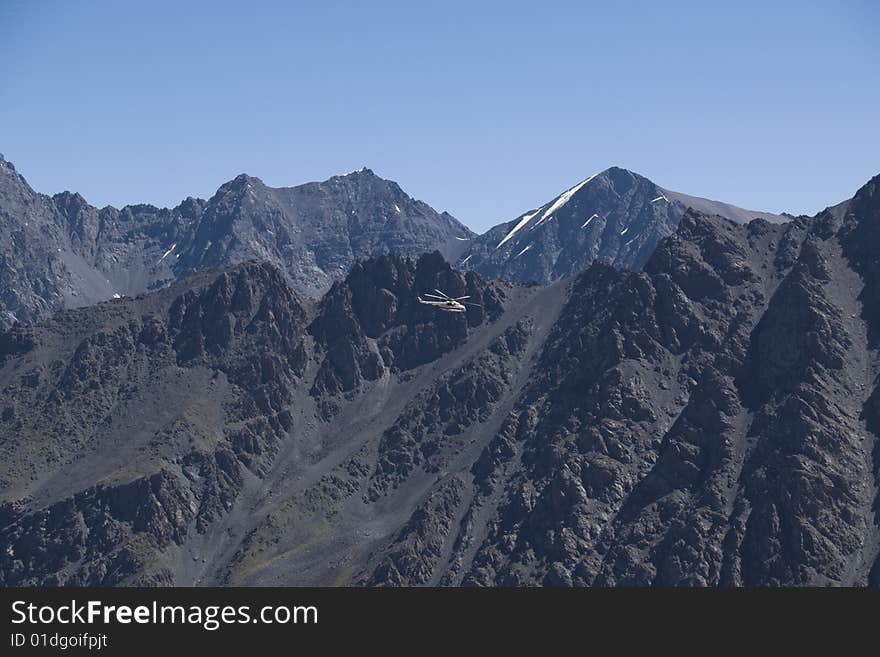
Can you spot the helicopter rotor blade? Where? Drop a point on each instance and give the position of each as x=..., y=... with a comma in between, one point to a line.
x=428, y=294
x=468, y=303
x=442, y=294
x=460, y=298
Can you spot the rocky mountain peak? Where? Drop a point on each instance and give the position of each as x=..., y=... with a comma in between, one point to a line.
x=237, y=186
x=365, y=182
x=11, y=179
x=621, y=178
x=616, y=216
x=363, y=172
x=70, y=202
x=6, y=167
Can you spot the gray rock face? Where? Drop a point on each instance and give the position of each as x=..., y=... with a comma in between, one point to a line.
x=61, y=252
x=315, y=232
x=701, y=423
x=129, y=430
x=145, y=414
x=710, y=420
x=616, y=217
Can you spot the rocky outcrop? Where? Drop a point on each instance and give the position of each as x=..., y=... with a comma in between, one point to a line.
x=165, y=400
x=372, y=322
x=103, y=536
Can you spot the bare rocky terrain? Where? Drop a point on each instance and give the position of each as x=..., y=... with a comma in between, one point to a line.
x=615, y=216
x=710, y=420
x=61, y=252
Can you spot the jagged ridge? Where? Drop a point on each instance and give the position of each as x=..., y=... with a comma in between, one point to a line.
x=60, y=252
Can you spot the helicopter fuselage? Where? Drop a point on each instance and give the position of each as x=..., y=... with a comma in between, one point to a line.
x=449, y=306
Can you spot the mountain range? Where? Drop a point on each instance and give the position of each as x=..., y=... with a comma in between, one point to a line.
x=703, y=412
x=61, y=252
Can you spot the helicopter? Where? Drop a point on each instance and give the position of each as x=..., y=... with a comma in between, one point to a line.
x=443, y=301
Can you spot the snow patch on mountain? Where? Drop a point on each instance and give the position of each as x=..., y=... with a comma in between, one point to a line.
x=167, y=253
x=522, y=222
x=565, y=198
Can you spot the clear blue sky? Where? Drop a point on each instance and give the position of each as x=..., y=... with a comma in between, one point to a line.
x=484, y=109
